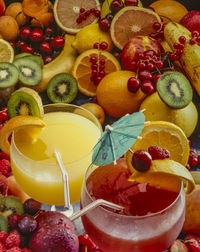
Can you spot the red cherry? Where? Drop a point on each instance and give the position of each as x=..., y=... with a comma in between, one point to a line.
x=182, y=39
x=192, y=41
x=96, y=46
x=36, y=35
x=156, y=77
x=25, y=32
x=198, y=39
x=133, y=84
x=12, y=44
x=142, y=65
x=145, y=75
x=131, y=2
x=58, y=42
x=141, y=160
x=48, y=59
x=156, y=26
x=45, y=47
x=79, y=20
x=179, y=51
x=49, y=31
x=27, y=49
x=193, y=160
x=20, y=44
x=159, y=64
x=103, y=46
x=147, y=87
x=82, y=10
x=116, y=5
x=97, y=13
x=150, y=66
x=104, y=24
x=97, y=80
x=101, y=74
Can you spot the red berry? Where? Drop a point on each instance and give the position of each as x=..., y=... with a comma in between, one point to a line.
x=79, y=20
x=27, y=49
x=3, y=236
x=103, y=46
x=157, y=152
x=150, y=66
x=47, y=59
x=192, y=41
x=145, y=75
x=4, y=115
x=12, y=240
x=97, y=80
x=188, y=167
x=82, y=10
x=12, y=44
x=116, y=5
x=58, y=42
x=20, y=44
x=159, y=64
x=156, y=77
x=131, y=2
x=104, y=24
x=96, y=46
x=49, y=31
x=142, y=65
x=87, y=13
x=182, y=39
x=3, y=155
x=176, y=45
x=3, y=186
x=5, y=167
x=133, y=84
x=147, y=87
x=25, y=32
x=45, y=47
x=36, y=35
x=198, y=39
x=109, y=16
x=93, y=59
x=181, y=46
x=141, y=160
x=97, y=13
x=2, y=247
x=193, y=160
x=195, y=34
x=179, y=51
x=13, y=220
x=27, y=224
x=156, y=26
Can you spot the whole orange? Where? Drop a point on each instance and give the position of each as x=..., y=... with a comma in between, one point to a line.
x=171, y=9
x=115, y=98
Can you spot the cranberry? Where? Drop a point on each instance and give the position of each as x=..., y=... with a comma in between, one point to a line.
x=45, y=47
x=116, y=5
x=25, y=32
x=157, y=152
x=104, y=46
x=104, y=24
x=182, y=39
x=27, y=49
x=141, y=160
x=131, y=2
x=36, y=35
x=147, y=87
x=48, y=59
x=133, y=84
x=58, y=42
x=145, y=75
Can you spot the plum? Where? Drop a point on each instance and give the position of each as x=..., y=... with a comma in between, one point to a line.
x=54, y=238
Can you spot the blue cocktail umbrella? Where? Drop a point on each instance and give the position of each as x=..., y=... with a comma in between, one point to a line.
x=118, y=138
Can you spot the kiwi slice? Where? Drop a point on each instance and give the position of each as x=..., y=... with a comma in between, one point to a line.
x=175, y=89
x=8, y=75
x=62, y=88
x=3, y=224
x=12, y=205
x=21, y=55
x=25, y=101
x=35, y=58
x=30, y=72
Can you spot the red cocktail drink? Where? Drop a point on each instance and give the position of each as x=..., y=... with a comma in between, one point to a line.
x=151, y=219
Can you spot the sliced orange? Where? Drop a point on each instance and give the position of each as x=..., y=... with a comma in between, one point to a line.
x=31, y=126
x=166, y=174
x=132, y=21
x=66, y=13
x=82, y=69
x=165, y=135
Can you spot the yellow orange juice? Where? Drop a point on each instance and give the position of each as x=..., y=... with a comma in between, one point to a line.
x=34, y=164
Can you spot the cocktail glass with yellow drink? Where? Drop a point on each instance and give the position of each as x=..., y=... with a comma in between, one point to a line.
x=72, y=131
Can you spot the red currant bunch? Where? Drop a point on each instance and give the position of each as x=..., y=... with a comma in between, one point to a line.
x=97, y=69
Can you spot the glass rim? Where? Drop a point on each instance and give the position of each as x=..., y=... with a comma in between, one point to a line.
x=56, y=105
x=137, y=216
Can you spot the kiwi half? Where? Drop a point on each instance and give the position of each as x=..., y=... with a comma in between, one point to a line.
x=8, y=75
x=35, y=58
x=12, y=205
x=30, y=72
x=175, y=89
x=62, y=88
x=25, y=101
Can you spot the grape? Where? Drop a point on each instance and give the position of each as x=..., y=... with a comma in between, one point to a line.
x=31, y=206
x=27, y=224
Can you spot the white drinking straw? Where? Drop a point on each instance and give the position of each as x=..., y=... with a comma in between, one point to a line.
x=94, y=204
x=64, y=177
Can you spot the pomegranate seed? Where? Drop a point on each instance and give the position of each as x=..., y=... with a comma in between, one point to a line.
x=92, y=78
x=156, y=26
x=195, y=34
x=117, y=55
x=133, y=84
x=82, y=10
x=82, y=16
x=198, y=39
x=192, y=41
x=104, y=24
x=96, y=46
x=87, y=13
x=182, y=39
x=181, y=46
x=141, y=160
x=93, y=59
x=147, y=87
x=103, y=46
x=92, y=10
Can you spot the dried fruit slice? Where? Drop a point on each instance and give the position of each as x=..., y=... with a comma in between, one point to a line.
x=82, y=69
x=165, y=135
x=6, y=51
x=31, y=126
x=165, y=174
x=132, y=21
x=67, y=12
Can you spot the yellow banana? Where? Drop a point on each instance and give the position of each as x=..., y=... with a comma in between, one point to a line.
x=63, y=63
x=190, y=59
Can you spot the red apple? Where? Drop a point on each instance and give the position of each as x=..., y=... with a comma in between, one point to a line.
x=191, y=21
x=135, y=47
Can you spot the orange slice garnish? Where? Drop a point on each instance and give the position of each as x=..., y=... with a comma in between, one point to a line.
x=31, y=126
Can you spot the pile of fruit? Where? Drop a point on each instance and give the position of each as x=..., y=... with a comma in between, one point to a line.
x=112, y=57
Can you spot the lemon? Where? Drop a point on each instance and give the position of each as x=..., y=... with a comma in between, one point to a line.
x=156, y=110
x=165, y=174
x=88, y=36
x=6, y=51
x=106, y=7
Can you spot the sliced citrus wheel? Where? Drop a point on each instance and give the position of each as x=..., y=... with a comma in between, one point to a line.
x=165, y=135
x=82, y=70
x=31, y=126
x=166, y=174
x=132, y=21
x=66, y=14
x=6, y=51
